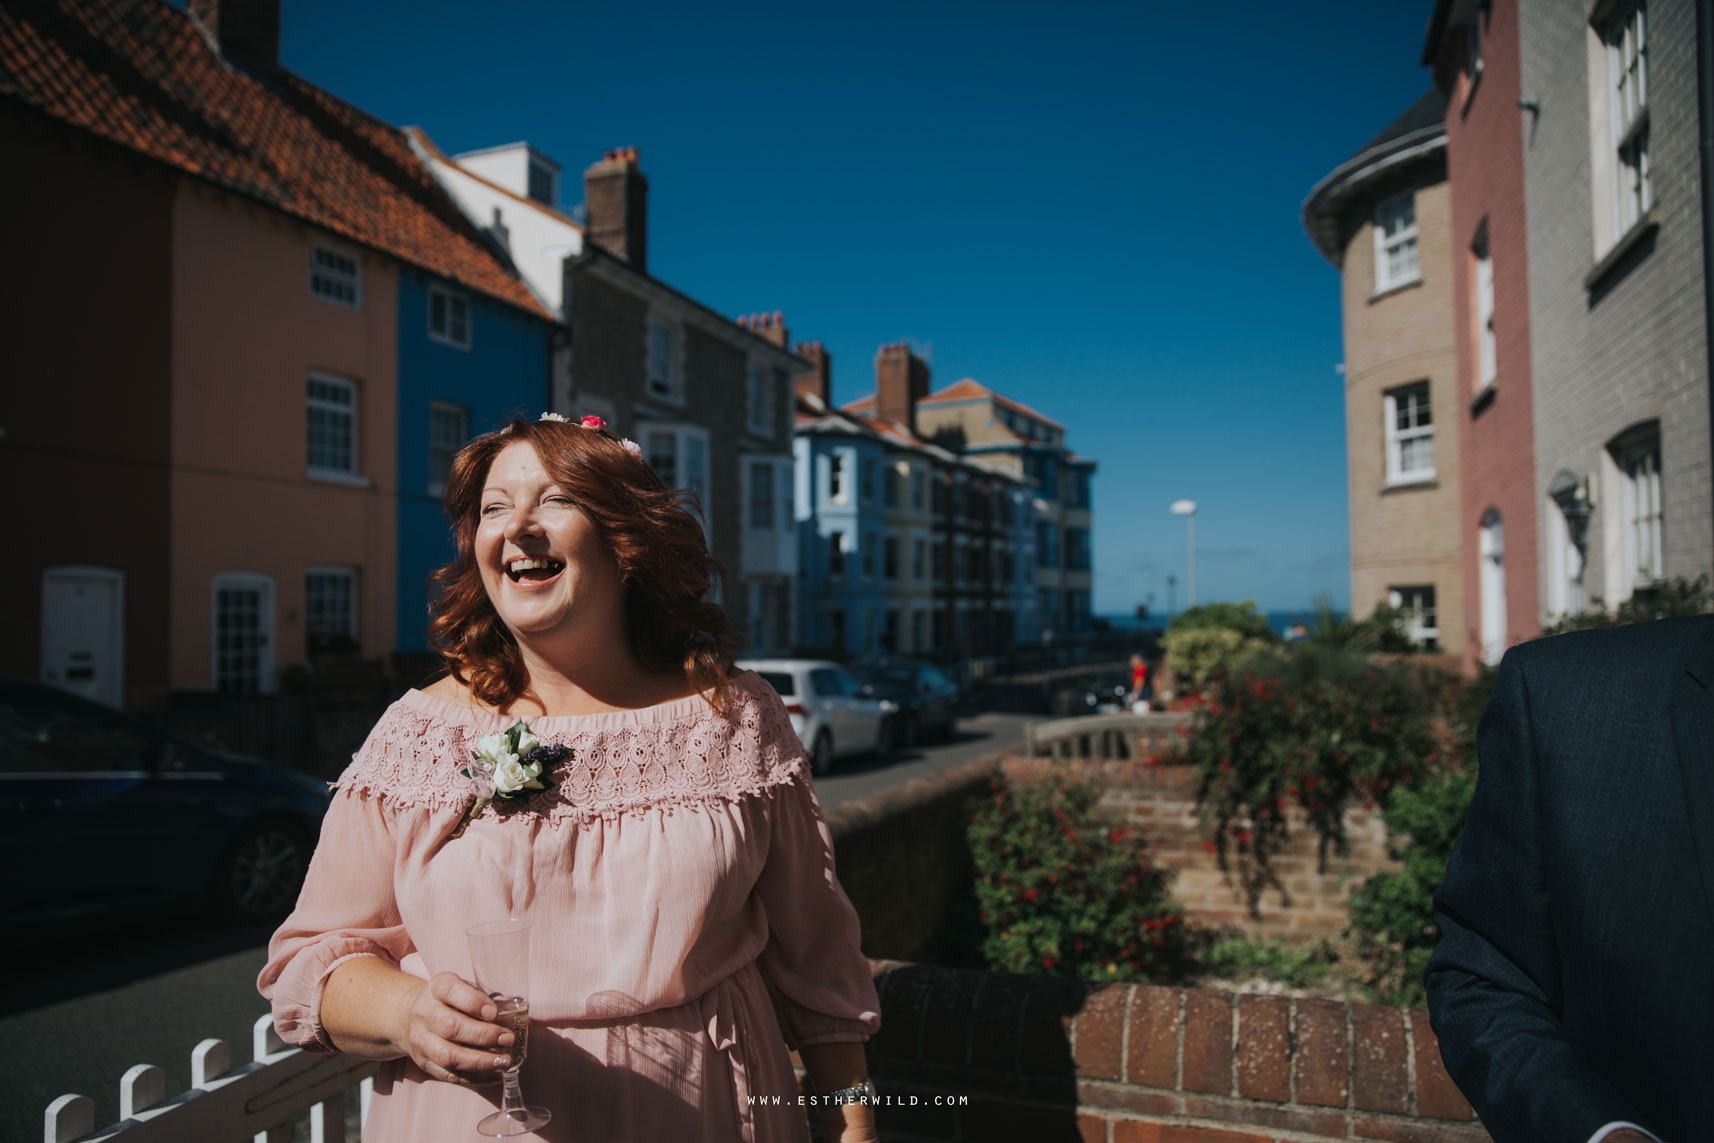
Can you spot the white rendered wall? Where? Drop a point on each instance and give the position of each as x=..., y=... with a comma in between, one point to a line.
x=539, y=242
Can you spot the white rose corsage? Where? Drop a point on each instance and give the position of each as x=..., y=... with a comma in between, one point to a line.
x=506, y=767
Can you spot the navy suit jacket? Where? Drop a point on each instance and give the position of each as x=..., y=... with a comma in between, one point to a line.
x=1574, y=980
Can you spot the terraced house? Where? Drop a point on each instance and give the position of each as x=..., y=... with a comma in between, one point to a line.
x=249, y=448
x=981, y=425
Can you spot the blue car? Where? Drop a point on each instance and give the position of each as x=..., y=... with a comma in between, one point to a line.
x=101, y=811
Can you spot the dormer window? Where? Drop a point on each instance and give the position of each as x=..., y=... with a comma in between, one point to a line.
x=543, y=182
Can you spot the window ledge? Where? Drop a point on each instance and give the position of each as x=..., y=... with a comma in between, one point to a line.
x=333, y=476
x=1409, y=483
x=1395, y=288
x=1482, y=399
x=449, y=342
x=1629, y=241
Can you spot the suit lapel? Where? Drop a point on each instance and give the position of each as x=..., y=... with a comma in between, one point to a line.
x=1692, y=706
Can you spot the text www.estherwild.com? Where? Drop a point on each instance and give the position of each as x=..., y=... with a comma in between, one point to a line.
x=880, y=1100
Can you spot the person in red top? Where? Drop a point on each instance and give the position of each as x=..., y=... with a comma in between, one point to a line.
x=1139, y=677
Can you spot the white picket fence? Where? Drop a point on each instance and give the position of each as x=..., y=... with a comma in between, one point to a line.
x=259, y=1100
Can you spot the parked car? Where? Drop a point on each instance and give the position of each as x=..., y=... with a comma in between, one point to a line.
x=831, y=715
x=102, y=811
x=927, y=700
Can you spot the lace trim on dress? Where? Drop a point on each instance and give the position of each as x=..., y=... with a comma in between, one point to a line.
x=412, y=759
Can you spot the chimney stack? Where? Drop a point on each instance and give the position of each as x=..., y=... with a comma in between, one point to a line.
x=901, y=380
x=247, y=32
x=818, y=382
x=616, y=206
x=768, y=327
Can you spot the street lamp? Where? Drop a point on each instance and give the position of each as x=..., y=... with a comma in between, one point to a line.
x=1187, y=508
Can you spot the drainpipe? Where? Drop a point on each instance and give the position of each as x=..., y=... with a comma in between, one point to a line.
x=1705, y=150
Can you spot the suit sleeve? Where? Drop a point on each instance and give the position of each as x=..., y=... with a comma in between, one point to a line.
x=1494, y=987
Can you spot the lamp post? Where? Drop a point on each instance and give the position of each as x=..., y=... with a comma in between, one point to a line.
x=1187, y=508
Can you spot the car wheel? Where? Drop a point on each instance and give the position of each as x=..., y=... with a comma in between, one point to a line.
x=821, y=753
x=883, y=737
x=259, y=875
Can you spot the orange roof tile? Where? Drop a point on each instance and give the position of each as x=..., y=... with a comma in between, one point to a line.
x=142, y=74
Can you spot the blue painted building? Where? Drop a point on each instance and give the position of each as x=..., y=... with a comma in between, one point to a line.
x=839, y=469
x=467, y=364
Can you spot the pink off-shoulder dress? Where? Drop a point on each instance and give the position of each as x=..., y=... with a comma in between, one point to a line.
x=687, y=923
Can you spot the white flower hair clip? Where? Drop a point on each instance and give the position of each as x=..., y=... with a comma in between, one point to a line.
x=632, y=447
x=554, y=417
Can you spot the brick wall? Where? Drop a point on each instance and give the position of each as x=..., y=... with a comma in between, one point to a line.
x=1633, y=346
x=901, y=855
x=1404, y=535
x=1484, y=145
x=1160, y=801
x=970, y=1055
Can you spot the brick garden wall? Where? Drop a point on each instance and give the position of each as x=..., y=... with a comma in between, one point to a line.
x=1161, y=802
x=901, y=855
x=1042, y=1058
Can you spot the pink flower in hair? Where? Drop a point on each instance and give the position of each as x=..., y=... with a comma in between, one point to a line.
x=593, y=422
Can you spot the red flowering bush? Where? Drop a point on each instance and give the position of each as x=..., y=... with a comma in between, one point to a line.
x=1321, y=738
x=1062, y=892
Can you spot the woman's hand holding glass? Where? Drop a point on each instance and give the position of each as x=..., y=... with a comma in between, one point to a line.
x=446, y=1031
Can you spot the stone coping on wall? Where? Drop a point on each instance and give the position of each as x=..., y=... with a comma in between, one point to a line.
x=1034, y=1057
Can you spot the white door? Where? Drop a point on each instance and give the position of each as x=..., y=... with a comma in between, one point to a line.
x=83, y=625
x=1492, y=549
x=243, y=633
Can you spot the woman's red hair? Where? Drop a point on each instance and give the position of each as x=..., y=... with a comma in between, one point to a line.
x=651, y=530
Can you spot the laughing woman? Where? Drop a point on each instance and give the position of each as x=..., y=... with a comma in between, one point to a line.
x=687, y=926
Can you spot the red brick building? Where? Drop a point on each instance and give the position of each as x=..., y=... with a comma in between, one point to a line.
x=1473, y=48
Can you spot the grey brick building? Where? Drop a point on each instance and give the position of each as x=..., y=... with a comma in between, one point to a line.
x=1613, y=202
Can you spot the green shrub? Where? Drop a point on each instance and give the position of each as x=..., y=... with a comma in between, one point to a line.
x=1392, y=914
x=1198, y=654
x=1064, y=893
x=1672, y=598
x=1244, y=618
x=1313, y=735
x=1236, y=956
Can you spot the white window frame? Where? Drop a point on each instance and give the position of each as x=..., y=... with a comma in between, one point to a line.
x=353, y=410
x=1625, y=45
x=243, y=581
x=1406, y=239
x=437, y=474
x=1397, y=438
x=839, y=476
x=349, y=576
x=1642, y=513
x=836, y=545
x=685, y=440
x=449, y=299
x=1487, y=348
x=664, y=380
x=1408, y=599
x=761, y=400
x=330, y=281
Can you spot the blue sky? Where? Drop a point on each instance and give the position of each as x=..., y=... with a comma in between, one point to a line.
x=1092, y=208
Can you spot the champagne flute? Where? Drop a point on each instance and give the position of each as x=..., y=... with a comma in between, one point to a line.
x=500, y=960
